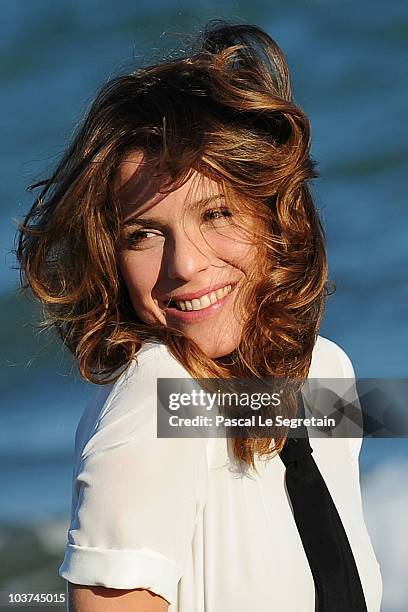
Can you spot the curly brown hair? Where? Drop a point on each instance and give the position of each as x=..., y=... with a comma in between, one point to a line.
x=229, y=115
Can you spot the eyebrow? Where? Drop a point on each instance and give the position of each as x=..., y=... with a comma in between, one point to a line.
x=159, y=225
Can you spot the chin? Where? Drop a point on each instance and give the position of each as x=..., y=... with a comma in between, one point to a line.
x=216, y=349
x=213, y=346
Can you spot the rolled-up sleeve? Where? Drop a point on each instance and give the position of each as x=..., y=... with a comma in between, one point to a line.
x=136, y=497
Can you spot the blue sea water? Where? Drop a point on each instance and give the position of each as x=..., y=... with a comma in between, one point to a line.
x=348, y=64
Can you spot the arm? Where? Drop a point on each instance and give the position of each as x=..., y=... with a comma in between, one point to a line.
x=136, y=501
x=101, y=599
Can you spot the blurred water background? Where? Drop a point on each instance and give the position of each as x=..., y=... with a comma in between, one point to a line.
x=348, y=61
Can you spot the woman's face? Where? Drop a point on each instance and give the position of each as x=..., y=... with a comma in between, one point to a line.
x=197, y=256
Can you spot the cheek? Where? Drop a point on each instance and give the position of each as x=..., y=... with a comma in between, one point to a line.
x=235, y=249
x=139, y=276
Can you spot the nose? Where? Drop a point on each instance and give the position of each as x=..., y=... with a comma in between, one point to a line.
x=186, y=255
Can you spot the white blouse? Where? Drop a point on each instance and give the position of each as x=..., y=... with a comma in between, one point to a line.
x=166, y=514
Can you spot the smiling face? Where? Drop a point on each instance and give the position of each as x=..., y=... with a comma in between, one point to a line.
x=184, y=256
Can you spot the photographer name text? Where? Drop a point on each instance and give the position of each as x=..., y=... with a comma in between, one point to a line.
x=255, y=420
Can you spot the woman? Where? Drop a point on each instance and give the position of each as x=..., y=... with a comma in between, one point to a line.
x=178, y=238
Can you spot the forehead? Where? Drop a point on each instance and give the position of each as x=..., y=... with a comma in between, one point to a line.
x=138, y=187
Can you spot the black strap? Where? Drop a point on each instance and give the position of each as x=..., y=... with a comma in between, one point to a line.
x=337, y=581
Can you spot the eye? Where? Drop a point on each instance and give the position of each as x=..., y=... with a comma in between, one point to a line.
x=217, y=213
x=138, y=238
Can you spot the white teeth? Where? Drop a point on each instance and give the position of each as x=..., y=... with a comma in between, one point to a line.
x=205, y=300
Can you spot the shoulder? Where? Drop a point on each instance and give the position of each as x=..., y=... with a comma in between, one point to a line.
x=126, y=411
x=139, y=380
x=329, y=360
x=331, y=382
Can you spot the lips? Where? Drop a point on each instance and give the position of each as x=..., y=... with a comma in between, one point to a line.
x=203, y=302
x=191, y=316
x=195, y=294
